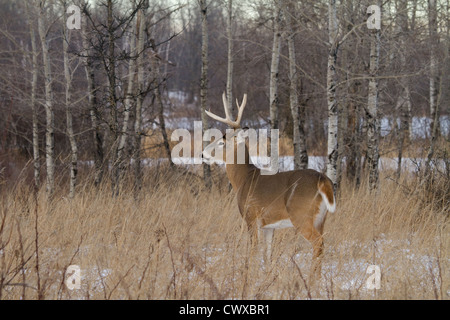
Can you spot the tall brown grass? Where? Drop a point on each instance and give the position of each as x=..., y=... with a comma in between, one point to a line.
x=178, y=240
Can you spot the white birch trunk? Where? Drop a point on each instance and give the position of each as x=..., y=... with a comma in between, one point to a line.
x=434, y=81
x=93, y=107
x=230, y=58
x=139, y=99
x=299, y=139
x=372, y=118
x=36, y=157
x=112, y=99
x=434, y=73
x=50, y=116
x=204, y=83
x=332, y=153
x=274, y=66
x=158, y=98
x=127, y=104
x=404, y=99
x=69, y=118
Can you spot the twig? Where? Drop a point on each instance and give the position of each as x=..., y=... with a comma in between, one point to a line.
x=435, y=290
x=101, y=280
x=308, y=291
x=120, y=280
x=207, y=279
x=22, y=260
x=173, y=263
x=25, y=285
x=36, y=243
x=61, y=286
x=147, y=265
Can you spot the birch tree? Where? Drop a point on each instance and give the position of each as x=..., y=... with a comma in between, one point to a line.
x=158, y=82
x=93, y=109
x=434, y=81
x=110, y=67
x=371, y=112
x=299, y=138
x=404, y=99
x=49, y=113
x=69, y=117
x=332, y=153
x=204, y=81
x=140, y=27
x=351, y=132
x=274, y=66
x=34, y=82
x=129, y=97
x=434, y=65
x=230, y=61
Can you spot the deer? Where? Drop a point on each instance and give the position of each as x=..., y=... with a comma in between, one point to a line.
x=300, y=198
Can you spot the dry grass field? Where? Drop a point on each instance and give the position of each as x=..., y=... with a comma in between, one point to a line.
x=180, y=241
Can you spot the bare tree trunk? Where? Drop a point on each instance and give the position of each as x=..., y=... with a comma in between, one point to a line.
x=354, y=136
x=341, y=135
x=70, y=132
x=352, y=129
x=372, y=117
x=412, y=29
x=204, y=83
x=447, y=62
x=230, y=58
x=93, y=107
x=158, y=99
x=434, y=72
x=276, y=48
x=140, y=26
x=127, y=108
x=112, y=99
x=299, y=138
x=36, y=157
x=404, y=99
x=350, y=122
x=434, y=81
x=161, y=94
x=50, y=116
x=331, y=95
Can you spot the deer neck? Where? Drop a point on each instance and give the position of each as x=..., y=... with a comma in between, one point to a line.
x=239, y=173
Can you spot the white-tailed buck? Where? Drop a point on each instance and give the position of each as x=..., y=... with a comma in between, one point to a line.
x=299, y=198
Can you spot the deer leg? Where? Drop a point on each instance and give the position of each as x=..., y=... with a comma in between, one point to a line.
x=254, y=237
x=268, y=237
x=315, y=238
x=316, y=241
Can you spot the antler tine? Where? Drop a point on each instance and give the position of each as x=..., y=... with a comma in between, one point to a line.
x=225, y=106
x=227, y=120
x=241, y=109
x=220, y=119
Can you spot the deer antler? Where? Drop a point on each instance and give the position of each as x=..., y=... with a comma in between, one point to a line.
x=227, y=120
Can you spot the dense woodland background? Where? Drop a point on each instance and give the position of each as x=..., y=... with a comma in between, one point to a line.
x=115, y=89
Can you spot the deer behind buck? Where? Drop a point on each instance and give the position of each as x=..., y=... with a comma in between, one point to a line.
x=299, y=198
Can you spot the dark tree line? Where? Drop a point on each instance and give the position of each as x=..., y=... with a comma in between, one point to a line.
x=312, y=69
